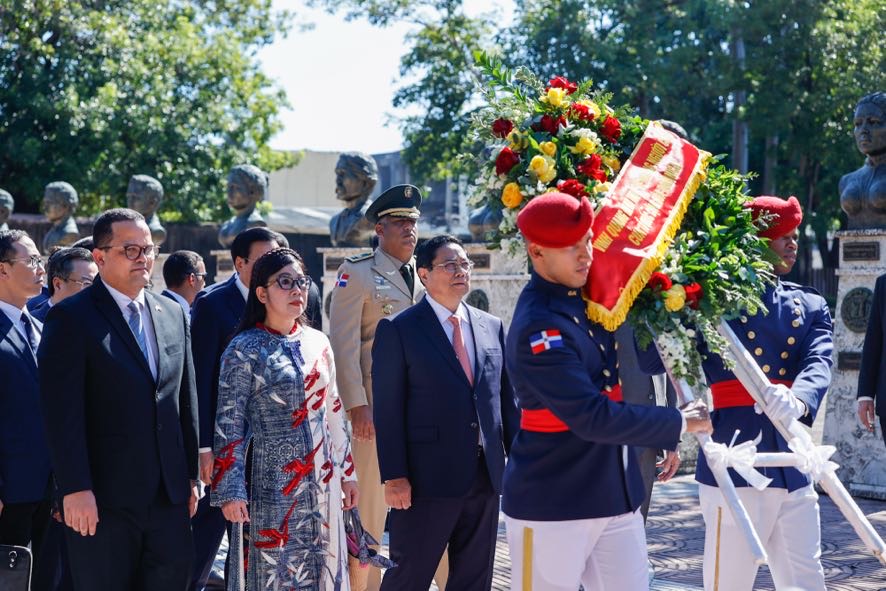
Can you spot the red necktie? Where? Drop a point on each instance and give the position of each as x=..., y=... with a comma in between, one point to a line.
x=460, y=351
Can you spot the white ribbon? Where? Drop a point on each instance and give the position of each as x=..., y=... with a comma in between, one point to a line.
x=738, y=457
x=814, y=459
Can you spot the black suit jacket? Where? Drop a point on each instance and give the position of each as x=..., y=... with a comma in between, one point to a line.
x=872, y=375
x=427, y=415
x=112, y=427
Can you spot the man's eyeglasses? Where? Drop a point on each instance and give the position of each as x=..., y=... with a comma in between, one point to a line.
x=452, y=266
x=199, y=275
x=31, y=262
x=302, y=282
x=132, y=251
x=81, y=282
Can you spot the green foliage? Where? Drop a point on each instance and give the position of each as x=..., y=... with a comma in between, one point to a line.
x=94, y=92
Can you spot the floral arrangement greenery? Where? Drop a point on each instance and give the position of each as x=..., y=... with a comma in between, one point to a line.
x=565, y=136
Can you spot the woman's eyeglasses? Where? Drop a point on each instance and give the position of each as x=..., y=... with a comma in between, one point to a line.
x=302, y=282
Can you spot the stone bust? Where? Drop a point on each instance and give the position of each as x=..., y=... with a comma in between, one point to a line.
x=247, y=185
x=7, y=205
x=59, y=204
x=144, y=195
x=355, y=177
x=863, y=192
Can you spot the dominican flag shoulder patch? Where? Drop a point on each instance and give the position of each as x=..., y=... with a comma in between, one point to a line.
x=343, y=280
x=544, y=340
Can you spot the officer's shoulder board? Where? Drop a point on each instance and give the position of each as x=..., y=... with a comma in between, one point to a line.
x=804, y=288
x=357, y=258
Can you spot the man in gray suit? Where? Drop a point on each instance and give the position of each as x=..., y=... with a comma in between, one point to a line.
x=640, y=388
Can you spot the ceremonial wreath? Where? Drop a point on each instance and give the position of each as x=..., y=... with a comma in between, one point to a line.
x=696, y=257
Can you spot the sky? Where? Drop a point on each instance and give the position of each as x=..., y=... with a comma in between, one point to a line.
x=340, y=78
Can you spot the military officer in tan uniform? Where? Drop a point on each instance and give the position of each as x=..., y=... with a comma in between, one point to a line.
x=370, y=287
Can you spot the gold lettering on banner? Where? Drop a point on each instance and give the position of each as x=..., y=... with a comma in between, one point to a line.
x=602, y=242
x=655, y=155
x=617, y=223
x=672, y=171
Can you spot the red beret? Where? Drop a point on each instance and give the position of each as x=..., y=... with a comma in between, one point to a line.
x=555, y=220
x=785, y=216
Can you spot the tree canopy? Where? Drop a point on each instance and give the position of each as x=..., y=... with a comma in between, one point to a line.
x=789, y=71
x=94, y=91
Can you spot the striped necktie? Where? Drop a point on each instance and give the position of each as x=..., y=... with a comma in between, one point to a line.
x=135, y=325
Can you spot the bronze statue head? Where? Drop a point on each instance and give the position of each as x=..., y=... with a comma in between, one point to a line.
x=59, y=201
x=355, y=176
x=144, y=194
x=869, y=124
x=7, y=204
x=247, y=185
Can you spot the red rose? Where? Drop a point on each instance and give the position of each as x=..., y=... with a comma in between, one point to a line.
x=611, y=128
x=572, y=187
x=549, y=124
x=582, y=112
x=561, y=82
x=502, y=127
x=505, y=161
x=693, y=295
x=591, y=168
x=659, y=282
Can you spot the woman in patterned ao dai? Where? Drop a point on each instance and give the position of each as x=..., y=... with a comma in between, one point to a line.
x=278, y=377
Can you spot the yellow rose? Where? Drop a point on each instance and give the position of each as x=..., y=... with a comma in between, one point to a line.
x=585, y=145
x=554, y=97
x=511, y=195
x=602, y=187
x=543, y=167
x=612, y=162
x=517, y=141
x=549, y=148
x=592, y=107
x=675, y=298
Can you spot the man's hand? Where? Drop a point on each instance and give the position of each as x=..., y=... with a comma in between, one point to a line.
x=668, y=465
x=206, y=463
x=698, y=419
x=398, y=493
x=361, y=423
x=865, y=415
x=236, y=511
x=196, y=487
x=781, y=404
x=81, y=512
x=350, y=494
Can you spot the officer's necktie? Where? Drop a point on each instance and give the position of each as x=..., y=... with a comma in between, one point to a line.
x=30, y=335
x=460, y=351
x=135, y=325
x=406, y=272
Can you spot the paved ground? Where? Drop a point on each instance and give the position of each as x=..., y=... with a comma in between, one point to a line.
x=675, y=534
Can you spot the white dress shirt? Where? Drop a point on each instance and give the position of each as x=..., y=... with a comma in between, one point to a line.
x=123, y=302
x=467, y=334
x=15, y=316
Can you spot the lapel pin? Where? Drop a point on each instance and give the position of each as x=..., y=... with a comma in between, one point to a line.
x=157, y=307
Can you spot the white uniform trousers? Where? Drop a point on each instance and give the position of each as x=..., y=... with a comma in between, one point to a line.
x=601, y=554
x=789, y=527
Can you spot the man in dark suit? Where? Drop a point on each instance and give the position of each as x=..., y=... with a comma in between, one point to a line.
x=69, y=271
x=872, y=376
x=445, y=416
x=184, y=273
x=24, y=456
x=117, y=384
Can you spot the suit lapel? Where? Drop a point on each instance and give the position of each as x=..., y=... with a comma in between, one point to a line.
x=386, y=266
x=437, y=336
x=11, y=334
x=108, y=308
x=162, y=331
x=480, y=330
x=234, y=300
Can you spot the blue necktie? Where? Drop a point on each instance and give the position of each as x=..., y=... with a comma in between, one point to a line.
x=135, y=325
x=30, y=335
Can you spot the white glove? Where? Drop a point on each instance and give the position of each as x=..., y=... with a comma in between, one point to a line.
x=781, y=405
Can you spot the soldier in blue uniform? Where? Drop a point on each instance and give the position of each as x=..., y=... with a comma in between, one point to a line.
x=792, y=344
x=572, y=485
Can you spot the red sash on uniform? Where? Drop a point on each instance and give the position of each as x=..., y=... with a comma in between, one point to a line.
x=544, y=421
x=731, y=393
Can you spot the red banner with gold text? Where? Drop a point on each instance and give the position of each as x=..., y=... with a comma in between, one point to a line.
x=635, y=226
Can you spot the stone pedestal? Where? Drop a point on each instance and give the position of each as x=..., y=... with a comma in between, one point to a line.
x=224, y=265
x=860, y=454
x=495, y=283
x=158, y=284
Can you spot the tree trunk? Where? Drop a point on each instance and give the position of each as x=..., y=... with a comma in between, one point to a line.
x=739, y=96
x=770, y=164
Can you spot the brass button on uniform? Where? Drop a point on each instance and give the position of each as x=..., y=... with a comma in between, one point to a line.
x=791, y=340
x=607, y=388
x=744, y=319
x=752, y=335
x=782, y=371
x=797, y=312
x=607, y=373
x=784, y=354
x=758, y=351
x=796, y=323
x=797, y=301
x=766, y=368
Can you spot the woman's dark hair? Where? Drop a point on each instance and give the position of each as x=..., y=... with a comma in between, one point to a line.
x=266, y=265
